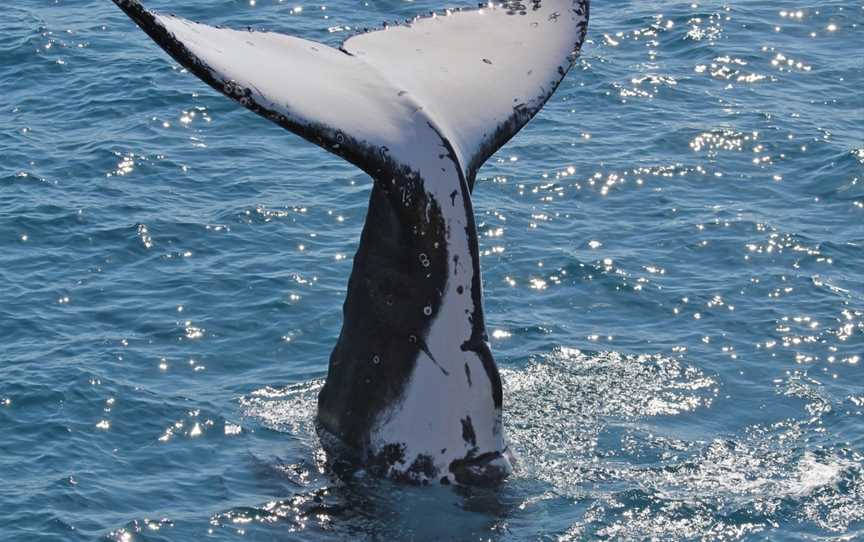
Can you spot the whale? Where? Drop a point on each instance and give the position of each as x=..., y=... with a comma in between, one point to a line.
x=412, y=390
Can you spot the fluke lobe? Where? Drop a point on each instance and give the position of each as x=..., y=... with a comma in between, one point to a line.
x=412, y=389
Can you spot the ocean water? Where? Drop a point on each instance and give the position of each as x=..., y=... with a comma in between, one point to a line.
x=673, y=259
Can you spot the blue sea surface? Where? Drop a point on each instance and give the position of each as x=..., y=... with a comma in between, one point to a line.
x=673, y=259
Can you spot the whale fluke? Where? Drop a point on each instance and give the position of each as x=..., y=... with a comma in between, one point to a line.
x=419, y=106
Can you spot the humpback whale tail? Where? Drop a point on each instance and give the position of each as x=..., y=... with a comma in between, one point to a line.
x=419, y=106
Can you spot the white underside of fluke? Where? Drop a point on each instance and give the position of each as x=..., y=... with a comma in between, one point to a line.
x=468, y=79
x=466, y=72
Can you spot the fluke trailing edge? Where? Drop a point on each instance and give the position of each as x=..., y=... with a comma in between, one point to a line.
x=412, y=387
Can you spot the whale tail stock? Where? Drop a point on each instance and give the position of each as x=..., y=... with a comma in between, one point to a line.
x=418, y=106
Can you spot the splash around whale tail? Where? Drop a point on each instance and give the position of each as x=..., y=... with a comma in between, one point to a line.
x=476, y=75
